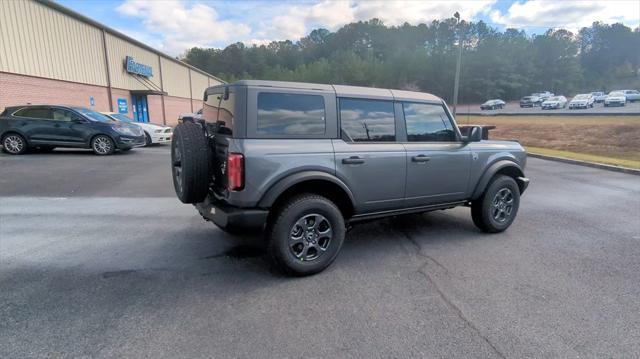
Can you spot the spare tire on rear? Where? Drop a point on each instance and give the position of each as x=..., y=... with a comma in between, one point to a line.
x=190, y=162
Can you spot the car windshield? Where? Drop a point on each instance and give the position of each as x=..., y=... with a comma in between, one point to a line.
x=616, y=93
x=120, y=117
x=527, y=98
x=596, y=93
x=581, y=97
x=555, y=98
x=93, y=115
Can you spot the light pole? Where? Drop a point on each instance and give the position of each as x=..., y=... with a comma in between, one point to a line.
x=457, y=80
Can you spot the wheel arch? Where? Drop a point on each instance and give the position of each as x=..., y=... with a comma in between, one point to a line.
x=17, y=132
x=316, y=182
x=502, y=167
x=90, y=144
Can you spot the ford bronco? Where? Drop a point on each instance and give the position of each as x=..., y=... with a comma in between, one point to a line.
x=304, y=161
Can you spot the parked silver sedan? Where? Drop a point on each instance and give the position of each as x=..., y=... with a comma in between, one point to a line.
x=583, y=100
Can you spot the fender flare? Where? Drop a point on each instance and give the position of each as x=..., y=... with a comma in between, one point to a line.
x=490, y=172
x=272, y=194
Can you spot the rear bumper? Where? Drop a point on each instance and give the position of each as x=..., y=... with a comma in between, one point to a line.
x=225, y=215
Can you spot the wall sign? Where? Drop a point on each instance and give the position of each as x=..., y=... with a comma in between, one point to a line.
x=122, y=105
x=136, y=68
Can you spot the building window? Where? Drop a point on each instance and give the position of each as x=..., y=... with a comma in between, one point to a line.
x=427, y=123
x=289, y=114
x=367, y=120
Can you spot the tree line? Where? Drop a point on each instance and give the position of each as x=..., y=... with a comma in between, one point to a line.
x=495, y=64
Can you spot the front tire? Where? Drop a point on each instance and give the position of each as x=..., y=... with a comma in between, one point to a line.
x=305, y=235
x=14, y=144
x=497, y=208
x=102, y=145
x=147, y=139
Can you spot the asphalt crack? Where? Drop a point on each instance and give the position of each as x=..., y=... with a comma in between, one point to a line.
x=443, y=295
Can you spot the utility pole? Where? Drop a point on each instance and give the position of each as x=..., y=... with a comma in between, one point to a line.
x=457, y=80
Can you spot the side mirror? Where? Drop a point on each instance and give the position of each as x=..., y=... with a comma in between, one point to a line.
x=226, y=93
x=475, y=134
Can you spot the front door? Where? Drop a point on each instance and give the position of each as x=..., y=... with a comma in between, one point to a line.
x=67, y=127
x=437, y=164
x=140, y=110
x=368, y=158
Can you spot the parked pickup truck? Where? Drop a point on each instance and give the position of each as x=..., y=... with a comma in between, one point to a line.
x=303, y=162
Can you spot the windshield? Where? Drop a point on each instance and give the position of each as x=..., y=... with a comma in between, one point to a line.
x=581, y=97
x=553, y=98
x=616, y=93
x=93, y=115
x=120, y=117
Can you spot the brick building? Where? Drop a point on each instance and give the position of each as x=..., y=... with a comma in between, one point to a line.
x=52, y=55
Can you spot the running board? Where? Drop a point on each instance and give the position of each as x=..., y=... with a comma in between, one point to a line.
x=398, y=212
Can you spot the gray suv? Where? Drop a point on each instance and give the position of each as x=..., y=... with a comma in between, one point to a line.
x=304, y=161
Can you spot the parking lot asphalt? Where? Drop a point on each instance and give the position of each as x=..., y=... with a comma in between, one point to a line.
x=513, y=108
x=98, y=258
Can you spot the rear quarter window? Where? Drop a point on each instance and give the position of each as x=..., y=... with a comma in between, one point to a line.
x=282, y=114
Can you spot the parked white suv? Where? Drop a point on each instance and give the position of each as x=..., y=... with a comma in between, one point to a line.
x=615, y=98
x=154, y=134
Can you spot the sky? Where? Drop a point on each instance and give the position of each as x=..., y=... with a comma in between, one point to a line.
x=173, y=26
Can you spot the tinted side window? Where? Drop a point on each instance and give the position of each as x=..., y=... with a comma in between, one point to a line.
x=62, y=115
x=290, y=114
x=35, y=112
x=367, y=120
x=427, y=123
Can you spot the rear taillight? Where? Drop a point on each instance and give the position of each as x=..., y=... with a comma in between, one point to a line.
x=235, y=171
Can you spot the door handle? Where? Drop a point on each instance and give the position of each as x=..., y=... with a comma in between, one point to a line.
x=353, y=160
x=420, y=158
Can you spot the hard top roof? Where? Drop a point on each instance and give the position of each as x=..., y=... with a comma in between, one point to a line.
x=341, y=90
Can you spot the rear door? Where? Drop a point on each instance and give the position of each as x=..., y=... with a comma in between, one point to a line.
x=438, y=164
x=36, y=123
x=368, y=157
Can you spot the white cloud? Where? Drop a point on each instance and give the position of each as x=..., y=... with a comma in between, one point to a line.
x=571, y=15
x=182, y=26
x=177, y=25
x=414, y=12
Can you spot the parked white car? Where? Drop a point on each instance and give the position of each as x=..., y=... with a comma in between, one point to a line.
x=599, y=96
x=153, y=133
x=554, y=102
x=583, y=100
x=631, y=95
x=544, y=95
x=615, y=98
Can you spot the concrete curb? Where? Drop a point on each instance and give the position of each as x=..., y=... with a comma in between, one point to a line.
x=587, y=164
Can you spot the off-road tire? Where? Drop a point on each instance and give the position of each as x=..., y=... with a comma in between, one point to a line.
x=482, y=209
x=18, y=144
x=190, y=163
x=281, y=226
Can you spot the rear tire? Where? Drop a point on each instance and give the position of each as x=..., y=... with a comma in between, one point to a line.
x=497, y=208
x=305, y=235
x=14, y=144
x=190, y=163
